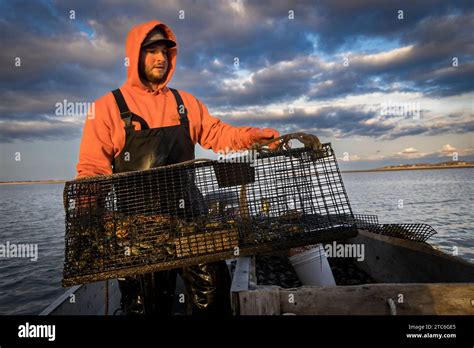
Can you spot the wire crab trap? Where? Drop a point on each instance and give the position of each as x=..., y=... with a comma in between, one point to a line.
x=363, y=221
x=414, y=232
x=205, y=210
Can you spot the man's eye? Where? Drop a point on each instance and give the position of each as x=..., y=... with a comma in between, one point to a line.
x=157, y=50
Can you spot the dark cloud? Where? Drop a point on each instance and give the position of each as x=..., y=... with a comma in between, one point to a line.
x=341, y=122
x=44, y=90
x=448, y=81
x=34, y=130
x=82, y=59
x=430, y=130
x=338, y=23
x=330, y=121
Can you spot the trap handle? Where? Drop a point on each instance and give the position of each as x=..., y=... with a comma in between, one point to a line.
x=283, y=142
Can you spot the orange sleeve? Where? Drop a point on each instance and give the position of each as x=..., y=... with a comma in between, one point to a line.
x=97, y=149
x=220, y=136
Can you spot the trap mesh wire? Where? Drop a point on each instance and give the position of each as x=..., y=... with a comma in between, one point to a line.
x=414, y=232
x=363, y=220
x=202, y=211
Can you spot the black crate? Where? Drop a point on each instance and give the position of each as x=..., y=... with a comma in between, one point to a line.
x=202, y=211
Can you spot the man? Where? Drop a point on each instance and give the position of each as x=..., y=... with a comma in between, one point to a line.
x=145, y=124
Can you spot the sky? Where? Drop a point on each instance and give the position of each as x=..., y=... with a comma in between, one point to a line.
x=386, y=82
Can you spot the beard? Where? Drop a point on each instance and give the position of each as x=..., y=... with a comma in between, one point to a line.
x=155, y=76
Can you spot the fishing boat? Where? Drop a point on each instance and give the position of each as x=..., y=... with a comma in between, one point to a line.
x=409, y=277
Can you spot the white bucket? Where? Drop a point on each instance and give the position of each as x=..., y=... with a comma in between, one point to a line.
x=312, y=267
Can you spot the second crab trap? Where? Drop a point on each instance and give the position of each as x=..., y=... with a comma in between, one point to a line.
x=204, y=210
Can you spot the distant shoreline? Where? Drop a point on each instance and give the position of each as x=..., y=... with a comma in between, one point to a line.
x=394, y=169
x=31, y=182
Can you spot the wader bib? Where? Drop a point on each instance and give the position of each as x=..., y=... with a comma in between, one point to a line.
x=208, y=285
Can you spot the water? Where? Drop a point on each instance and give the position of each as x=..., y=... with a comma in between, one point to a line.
x=34, y=214
x=31, y=214
x=441, y=198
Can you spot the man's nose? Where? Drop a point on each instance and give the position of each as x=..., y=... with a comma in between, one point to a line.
x=160, y=56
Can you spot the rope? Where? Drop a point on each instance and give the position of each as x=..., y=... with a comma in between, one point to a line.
x=393, y=307
x=106, y=297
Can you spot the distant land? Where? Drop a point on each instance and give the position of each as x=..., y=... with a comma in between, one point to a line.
x=29, y=182
x=418, y=166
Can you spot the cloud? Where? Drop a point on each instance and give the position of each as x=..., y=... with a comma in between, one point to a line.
x=433, y=129
x=325, y=121
x=33, y=130
x=447, y=149
x=409, y=151
x=340, y=23
x=281, y=61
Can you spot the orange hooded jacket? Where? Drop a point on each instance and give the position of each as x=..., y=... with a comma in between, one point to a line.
x=104, y=136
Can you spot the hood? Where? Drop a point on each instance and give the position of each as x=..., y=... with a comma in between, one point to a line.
x=132, y=50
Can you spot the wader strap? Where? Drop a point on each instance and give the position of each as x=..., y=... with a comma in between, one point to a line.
x=183, y=113
x=125, y=113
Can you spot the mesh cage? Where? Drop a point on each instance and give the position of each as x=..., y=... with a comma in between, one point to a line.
x=363, y=220
x=202, y=211
x=414, y=232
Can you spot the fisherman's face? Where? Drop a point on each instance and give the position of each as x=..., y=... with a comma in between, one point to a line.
x=154, y=62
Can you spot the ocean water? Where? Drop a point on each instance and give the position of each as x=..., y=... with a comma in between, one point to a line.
x=442, y=198
x=33, y=214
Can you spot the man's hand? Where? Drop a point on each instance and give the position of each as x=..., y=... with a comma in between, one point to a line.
x=257, y=135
